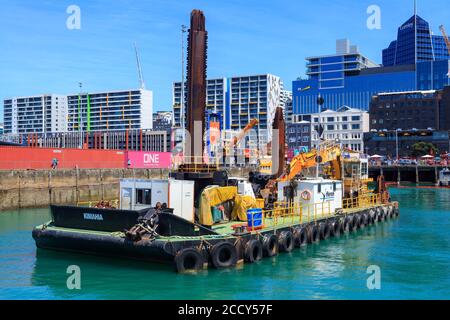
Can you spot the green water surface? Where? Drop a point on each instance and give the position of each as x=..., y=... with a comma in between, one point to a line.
x=413, y=254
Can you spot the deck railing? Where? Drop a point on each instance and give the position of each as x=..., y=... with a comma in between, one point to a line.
x=362, y=201
x=297, y=213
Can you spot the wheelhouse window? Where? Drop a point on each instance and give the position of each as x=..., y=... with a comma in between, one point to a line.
x=144, y=196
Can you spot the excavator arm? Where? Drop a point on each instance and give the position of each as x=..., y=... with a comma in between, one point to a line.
x=329, y=153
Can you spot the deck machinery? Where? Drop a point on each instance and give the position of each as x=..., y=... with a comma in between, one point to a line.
x=201, y=217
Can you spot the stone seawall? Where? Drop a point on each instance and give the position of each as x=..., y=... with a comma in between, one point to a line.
x=40, y=188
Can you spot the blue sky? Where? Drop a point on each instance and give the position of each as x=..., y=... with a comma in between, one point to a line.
x=38, y=54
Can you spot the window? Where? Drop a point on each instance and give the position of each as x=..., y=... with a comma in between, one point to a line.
x=330, y=119
x=305, y=139
x=305, y=129
x=356, y=126
x=330, y=127
x=345, y=127
x=356, y=118
x=144, y=196
x=344, y=119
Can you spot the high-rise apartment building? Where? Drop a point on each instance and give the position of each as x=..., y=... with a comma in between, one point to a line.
x=113, y=110
x=238, y=100
x=42, y=113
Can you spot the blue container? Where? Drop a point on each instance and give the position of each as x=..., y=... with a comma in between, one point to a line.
x=255, y=218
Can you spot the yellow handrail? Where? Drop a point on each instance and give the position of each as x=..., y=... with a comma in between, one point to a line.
x=290, y=213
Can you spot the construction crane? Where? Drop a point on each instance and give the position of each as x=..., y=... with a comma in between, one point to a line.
x=447, y=41
x=242, y=134
x=138, y=60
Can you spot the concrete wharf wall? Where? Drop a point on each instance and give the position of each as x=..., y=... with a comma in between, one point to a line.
x=413, y=174
x=40, y=188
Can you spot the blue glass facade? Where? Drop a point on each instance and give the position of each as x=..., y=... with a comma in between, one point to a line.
x=356, y=92
x=415, y=43
x=358, y=89
x=433, y=75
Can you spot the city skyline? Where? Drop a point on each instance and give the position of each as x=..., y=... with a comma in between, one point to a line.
x=44, y=56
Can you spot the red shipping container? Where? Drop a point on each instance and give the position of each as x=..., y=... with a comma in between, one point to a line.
x=15, y=158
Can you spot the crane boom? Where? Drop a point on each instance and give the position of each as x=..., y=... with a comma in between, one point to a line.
x=447, y=41
x=243, y=133
x=138, y=61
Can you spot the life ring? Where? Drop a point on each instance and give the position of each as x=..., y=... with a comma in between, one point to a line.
x=223, y=255
x=253, y=251
x=306, y=195
x=324, y=231
x=188, y=259
x=300, y=237
x=286, y=241
x=270, y=245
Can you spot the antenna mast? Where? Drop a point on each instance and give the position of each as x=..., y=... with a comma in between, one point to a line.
x=138, y=60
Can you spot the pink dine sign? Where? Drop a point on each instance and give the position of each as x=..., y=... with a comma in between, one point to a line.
x=155, y=160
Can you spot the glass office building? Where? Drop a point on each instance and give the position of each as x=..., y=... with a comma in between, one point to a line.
x=356, y=85
x=415, y=43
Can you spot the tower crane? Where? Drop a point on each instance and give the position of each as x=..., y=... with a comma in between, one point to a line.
x=138, y=60
x=447, y=41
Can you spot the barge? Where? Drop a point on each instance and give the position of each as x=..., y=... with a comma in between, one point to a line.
x=211, y=220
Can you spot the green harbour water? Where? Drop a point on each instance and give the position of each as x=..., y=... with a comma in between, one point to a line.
x=413, y=253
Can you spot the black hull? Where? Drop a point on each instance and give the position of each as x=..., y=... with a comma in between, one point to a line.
x=99, y=245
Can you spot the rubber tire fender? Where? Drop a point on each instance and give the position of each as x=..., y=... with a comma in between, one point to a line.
x=391, y=212
x=342, y=223
x=348, y=224
x=286, y=241
x=315, y=234
x=270, y=245
x=385, y=213
x=223, y=255
x=351, y=223
x=253, y=251
x=364, y=220
x=380, y=217
x=188, y=259
x=356, y=222
x=300, y=237
x=335, y=228
x=324, y=230
x=372, y=216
